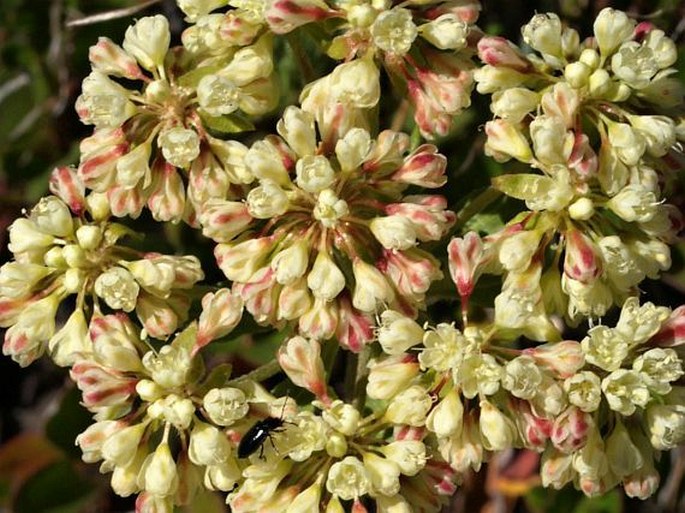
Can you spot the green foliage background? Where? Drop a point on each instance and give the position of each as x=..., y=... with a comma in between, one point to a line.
x=42, y=62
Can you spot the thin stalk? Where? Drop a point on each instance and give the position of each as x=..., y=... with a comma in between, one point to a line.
x=301, y=57
x=476, y=205
x=260, y=373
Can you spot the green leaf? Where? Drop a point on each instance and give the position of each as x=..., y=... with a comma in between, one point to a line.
x=230, y=124
x=192, y=78
x=70, y=420
x=523, y=186
x=608, y=503
x=56, y=489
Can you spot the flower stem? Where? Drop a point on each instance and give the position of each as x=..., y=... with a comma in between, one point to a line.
x=260, y=373
x=475, y=206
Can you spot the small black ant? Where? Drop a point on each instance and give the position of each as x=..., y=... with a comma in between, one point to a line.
x=255, y=437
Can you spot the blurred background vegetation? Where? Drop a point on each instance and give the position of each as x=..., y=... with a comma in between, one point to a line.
x=43, y=58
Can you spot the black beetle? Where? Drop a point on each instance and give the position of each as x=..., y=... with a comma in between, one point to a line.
x=256, y=436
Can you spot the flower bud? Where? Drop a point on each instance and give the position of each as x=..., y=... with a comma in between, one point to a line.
x=543, y=33
x=570, y=430
x=95, y=435
x=239, y=261
x=292, y=262
x=121, y=447
x=300, y=359
x=148, y=41
x=342, y=417
x=371, y=290
x=447, y=417
x=623, y=455
x=158, y=475
x=267, y=200
x=499, y=52
x=446, y=32
x=410, y=406
x=389, y=376
x=505, y=141
x=394, y=232
x=221, y=312
x=208, y=445
x=71, y=342
x=612, y=27
x=325, y=280
x=321, y=320
x=223, y=220
x=497, y=430
x=384, y=474
x=397, y=333
x=514, y=104
x=409, y=455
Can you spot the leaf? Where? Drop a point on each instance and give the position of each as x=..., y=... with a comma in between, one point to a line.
x=205, y=502
x=607, y=503
x=55, y=489
x=523, y=186
x=192, y=78
x=229, y=124
x=25, y=455
x=70, y=420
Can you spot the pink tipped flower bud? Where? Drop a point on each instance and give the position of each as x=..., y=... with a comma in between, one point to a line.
x=570, y=430
x=427, y=213
x=223, y=220
x=425, y=167
x=582, y=262
x=241, y=260
x=389, y=376
x=110, y=59
x=221, y=312
x=672, y=332
x=93, y=438
x=643, y=483
x=168, y=196
x=556, y=468
x=321, y=321
x=534, y=430
x=411, y=271
x=497, y=51
x=300, y=359
x=563, y=358
x=101, y=386
x=355, y=328
x=27, y=340
x=506, y=141
x=284, y=16
x=66, y=184
x=116, y=342
x=465, y=254
x=100, y=154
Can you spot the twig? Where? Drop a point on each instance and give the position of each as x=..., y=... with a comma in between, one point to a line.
x=111, y=15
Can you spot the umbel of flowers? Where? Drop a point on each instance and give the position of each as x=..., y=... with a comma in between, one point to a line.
x=328, y=230
x=325, y=237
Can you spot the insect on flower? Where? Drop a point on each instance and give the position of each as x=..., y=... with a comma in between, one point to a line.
x=262, y=430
